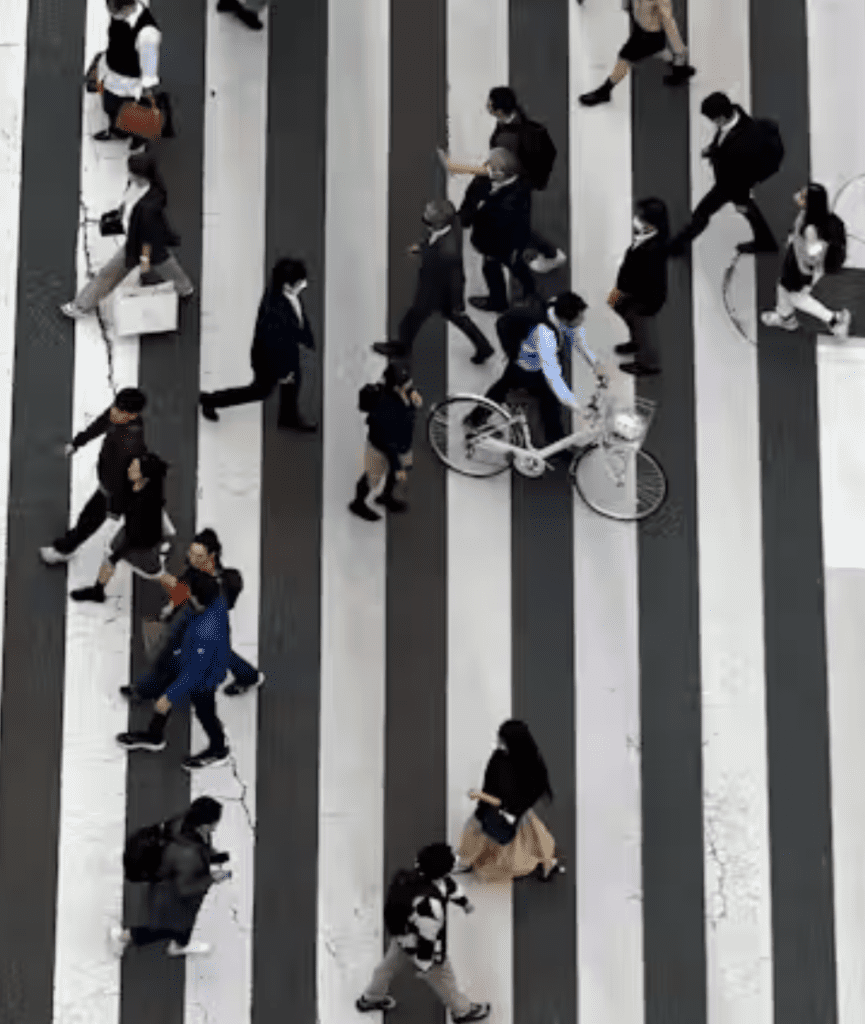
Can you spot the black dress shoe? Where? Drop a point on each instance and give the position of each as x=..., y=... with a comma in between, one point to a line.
x=207, y=411
x=679, y=74
x=95, y=593
x=751, y=248
x=485, y=303
x=109, y=135
x=636, y=370
x=603, y=94
x=481, y=356
x=390, y=348
x=627, y=349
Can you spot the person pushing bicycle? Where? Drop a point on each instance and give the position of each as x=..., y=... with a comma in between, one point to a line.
x=532, y=337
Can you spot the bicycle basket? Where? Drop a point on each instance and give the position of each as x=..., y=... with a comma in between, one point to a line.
x=627, y=425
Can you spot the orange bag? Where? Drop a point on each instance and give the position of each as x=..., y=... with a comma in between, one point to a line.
x=140, y=119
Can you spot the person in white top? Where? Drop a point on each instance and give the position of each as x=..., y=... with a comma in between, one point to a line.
x=129, y=68
x=537, y=369
x=816, y=246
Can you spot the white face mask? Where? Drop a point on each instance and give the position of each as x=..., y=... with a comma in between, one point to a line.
x=290, y=291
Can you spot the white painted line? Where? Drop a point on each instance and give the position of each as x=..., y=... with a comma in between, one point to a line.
x=351, y=751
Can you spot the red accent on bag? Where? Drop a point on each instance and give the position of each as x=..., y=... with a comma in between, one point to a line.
x=140, y=119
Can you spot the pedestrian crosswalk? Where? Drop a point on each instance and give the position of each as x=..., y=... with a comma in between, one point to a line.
x=706, y=785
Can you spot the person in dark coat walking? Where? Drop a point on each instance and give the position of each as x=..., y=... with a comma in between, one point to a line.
x=641, y=285
x=390, y=426
x=185, y=875
x=498, y=209
x=735, y=154
x=143, y=540
x=281, y=325
x=124, y=440
x=440, y=285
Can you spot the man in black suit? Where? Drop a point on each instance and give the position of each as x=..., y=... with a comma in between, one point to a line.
x=641, y=285
x=499, y=210
x=440, y=284
x=735, y=154
x=281, y=326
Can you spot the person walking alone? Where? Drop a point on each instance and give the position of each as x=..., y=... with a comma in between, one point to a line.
x=184, y=874
x=123, y=428
x=416, y=919
x=440, y=285
x=504, y=839
x=281, y=325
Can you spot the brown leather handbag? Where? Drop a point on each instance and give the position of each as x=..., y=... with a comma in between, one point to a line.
x=145, y=120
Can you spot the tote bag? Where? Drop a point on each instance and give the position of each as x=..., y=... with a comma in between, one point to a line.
x=143, y=309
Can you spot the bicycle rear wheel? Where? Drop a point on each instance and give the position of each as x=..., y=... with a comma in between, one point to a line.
x=461, y=447
x=619, y=483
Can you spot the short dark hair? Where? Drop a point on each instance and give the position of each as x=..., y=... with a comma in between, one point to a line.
x=287, y=271
x=716, y=104
x=503, y=98
x=208, y=538
x=130, y=400
x=396, y=374
x=568, y=306
x=203, y=811
x=436, y=860
x=654, y=211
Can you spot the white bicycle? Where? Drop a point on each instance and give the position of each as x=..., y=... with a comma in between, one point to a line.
x=477, y=437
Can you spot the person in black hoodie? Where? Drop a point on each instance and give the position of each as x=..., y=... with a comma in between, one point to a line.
x=123, y=428
x=388, y=449
x=142, y=539
x=641, y=285
x=281, y=326
x=498, y=209
x=148, y=239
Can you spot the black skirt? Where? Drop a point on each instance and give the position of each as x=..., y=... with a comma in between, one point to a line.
x=642, y=44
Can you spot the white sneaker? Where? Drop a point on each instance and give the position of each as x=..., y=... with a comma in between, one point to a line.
x=51, y=556
x=544, y=264
x=841, y=327
x=772, y=318
x=72, y=311
x=118, y=940
x=190, y=949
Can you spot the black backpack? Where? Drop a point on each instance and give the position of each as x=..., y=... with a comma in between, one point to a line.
x=517, y=323
x=232, y=585
x=404, y=888
x=368, y=396
x=144, y=851
x=836, y=236
x=536, y=153
x=770, y=152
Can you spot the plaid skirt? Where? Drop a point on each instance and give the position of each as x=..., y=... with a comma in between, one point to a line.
x=532, y=845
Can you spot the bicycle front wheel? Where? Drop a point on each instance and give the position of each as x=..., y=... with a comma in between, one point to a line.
x=619, y=483
x=461, y=445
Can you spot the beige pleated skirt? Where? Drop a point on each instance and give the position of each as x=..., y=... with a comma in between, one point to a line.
x=532, y=845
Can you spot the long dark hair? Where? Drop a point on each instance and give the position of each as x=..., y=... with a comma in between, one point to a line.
x=816, y=207
x=144, y=165
x=523, y=753
x=654, y=211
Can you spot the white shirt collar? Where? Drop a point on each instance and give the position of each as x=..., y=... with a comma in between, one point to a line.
x=501, y=184
x=296, y=306
x=639, y=239
x=729, y=126
x=435, y=235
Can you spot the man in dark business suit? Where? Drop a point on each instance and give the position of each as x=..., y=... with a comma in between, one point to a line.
x=281, y=326
x=498, y=209
x=440, y=285
x=735, y=154
x=641, y=285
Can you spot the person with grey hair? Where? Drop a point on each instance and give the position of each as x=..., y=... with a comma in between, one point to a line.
x=440, y=284
x=498, y=209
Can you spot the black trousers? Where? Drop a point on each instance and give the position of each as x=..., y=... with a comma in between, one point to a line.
x=260, y=388
x=640, y=329
x=719, y=196
x=143, y=936
x=111, y=104
x=91, y=517
x=495, y=278
x=416, y=317
x=535, y=383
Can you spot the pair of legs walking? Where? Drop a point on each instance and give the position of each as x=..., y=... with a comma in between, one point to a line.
x=416, y=316
x=260, y=388
x=535, y=383
x=787, y=302
x=493, y=271
x=115, y=270
x=375, y=466
x=718, y=196
x=639, y=345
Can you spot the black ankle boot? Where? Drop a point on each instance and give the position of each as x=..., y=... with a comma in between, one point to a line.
x=600, y=95
x=387, y=499
x=359, y=506
x=94, y=593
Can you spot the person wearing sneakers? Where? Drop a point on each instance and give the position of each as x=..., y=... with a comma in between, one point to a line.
x=185, y=873
x=243, y=13
x=641, y=285
x=652, y=27
x=144, y=539
x=531, y=144
x=148, y=239
x=190, y=668
x=416, y=918
x=390, y=430
x=504, y=839
x=123, y=428
x=129, y=68
x=440, y=285
x=817, y=246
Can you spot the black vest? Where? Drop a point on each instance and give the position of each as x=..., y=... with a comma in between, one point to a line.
x=122, y=57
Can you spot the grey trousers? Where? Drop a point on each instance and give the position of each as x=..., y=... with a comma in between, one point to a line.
x=440, y=978
x=115, y=270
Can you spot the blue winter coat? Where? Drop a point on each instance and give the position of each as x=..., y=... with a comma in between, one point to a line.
x=203, y=653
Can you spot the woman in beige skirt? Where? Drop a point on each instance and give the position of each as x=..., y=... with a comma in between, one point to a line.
x=515, y=779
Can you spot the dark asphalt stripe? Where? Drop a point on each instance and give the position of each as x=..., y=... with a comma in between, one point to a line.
x=544, y=950
x=152, y=986
x=673, y=886
x=800, y=827
x=416, y=601
x=35, y=607
x=286, y=859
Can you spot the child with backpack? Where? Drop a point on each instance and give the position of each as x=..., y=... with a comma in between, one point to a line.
x=415, y=915
x=176, y=859
x=817, y=245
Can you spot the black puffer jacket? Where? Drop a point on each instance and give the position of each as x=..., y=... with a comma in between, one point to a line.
x=123, y=442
